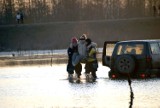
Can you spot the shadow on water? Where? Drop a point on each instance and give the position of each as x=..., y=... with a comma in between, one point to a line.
x=73, y=81
x=131, y=92
x=130, y=87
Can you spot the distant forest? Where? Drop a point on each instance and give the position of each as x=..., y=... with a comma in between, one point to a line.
x=39, y=11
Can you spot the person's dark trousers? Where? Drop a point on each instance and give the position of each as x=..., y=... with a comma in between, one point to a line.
x=78, y=69
x=22, y=20
x=94, y=74
x=70, y=68
x=90, y=67
x=18, y=21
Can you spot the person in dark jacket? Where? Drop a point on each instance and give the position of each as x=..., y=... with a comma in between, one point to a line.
x=22, y=17
x=92, y=63
x=73, y=48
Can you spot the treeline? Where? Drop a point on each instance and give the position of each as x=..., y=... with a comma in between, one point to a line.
x=38, y=11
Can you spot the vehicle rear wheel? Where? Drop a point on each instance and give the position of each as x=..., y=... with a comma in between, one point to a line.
x=125, y=64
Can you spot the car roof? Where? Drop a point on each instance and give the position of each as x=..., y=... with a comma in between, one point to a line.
x=139, y=41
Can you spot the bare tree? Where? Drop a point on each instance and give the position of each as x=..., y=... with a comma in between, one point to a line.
x=75, y=10
x=8, y=11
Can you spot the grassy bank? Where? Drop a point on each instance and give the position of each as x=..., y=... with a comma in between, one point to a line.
x=33, y=60
x=57, y=35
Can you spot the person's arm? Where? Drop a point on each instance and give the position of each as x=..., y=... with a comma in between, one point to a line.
x=69, y=51
x=93, y=50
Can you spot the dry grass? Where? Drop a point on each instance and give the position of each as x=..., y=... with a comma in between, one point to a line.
x=57, y=35
x=33, y=60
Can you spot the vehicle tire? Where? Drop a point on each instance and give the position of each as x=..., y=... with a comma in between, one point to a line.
x=125, y=64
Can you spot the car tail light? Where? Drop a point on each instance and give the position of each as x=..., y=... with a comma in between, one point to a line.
x=142, y=75
x=113, y=76
x=148, y=58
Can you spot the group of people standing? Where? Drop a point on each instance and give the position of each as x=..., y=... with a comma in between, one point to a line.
x=19, y=17
x=82, y=50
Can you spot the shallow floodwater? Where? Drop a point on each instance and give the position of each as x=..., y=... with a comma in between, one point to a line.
x=48, y=87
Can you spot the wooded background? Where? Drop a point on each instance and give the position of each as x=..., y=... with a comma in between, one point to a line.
x=38, y=11
x=50, y=24
x=57, y=35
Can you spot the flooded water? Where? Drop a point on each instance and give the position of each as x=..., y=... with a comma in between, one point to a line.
x=48, y=87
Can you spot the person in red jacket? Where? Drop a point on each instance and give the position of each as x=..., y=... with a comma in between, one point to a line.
x=73, y=48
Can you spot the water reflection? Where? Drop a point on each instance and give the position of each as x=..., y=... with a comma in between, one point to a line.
x=48, y=87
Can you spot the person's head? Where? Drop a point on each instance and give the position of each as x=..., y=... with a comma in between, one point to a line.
x=82, y=38
x=88, y=41
x=74, y=41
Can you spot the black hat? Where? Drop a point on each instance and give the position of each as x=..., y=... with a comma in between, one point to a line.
x=88, y=40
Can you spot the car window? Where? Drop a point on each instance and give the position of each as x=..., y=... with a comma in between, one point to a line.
x=155, y=48
x=130, y=48
x=109, y=49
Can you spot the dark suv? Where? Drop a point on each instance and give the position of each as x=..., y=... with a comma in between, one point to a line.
x=134, y=58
